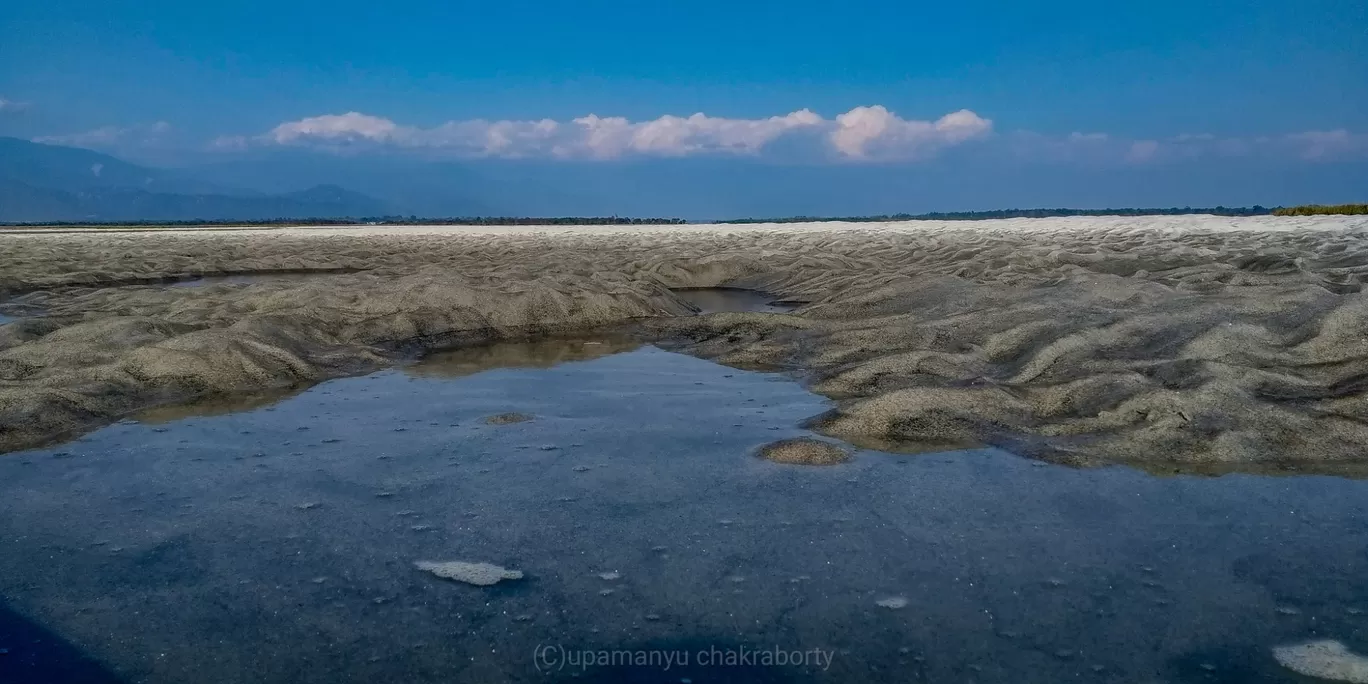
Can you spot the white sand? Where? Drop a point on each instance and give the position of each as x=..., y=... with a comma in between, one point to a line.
x=478, y=574
x=1328, y=659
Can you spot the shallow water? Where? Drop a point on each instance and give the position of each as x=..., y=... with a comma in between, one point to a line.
x=721, y=299
x=277, y=544
x=246, y=278
x=449, y=364
x=17, y=307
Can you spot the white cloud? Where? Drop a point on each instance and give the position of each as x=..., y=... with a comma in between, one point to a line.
x=1313, y=146
x=99, y=137
x=1075, y=148
x=335, y=127
x=480, y=138
x=227, y=143
x=678, y=136
x=1142, y=151
x=474, y=137
x=1327, y=145
x=110, y=136
x=7, y=106
x=875, y=132
x=862, y=133
x=867, y=133
x=1103, y=149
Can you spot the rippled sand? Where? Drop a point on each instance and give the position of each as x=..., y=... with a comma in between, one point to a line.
x=1191, y=341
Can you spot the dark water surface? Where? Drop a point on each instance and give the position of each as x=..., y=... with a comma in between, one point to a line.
x=276, y=543
x=720, y=299
x=246, y=279
x=17, y=307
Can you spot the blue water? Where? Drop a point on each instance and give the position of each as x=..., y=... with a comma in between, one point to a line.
x=719, y=299
x=276, y=543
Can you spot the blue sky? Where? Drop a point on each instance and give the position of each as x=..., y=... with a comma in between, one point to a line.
x=1156, y=81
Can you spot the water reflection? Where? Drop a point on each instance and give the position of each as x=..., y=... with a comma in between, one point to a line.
x=453, y=363
x=723, y=299
x=216, y=405
x=526, y=354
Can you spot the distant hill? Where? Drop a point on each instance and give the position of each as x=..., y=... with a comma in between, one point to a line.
x=73, y=169
x=53, y=183
x=20, y=202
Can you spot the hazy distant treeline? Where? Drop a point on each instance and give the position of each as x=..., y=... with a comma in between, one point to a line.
x=533, y=221
x=385, y=221
x=1306, y=210
x=1318, y=209
x=1019, y=213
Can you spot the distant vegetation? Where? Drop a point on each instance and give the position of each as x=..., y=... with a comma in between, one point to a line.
x=380, y=221
x=1019, y=213
x=1306, y=210
x=527, y=221
x=1319, y=209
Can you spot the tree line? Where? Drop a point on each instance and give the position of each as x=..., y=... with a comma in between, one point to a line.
x=376, y=221
x=1256, y=210
x=1018, y=213
x=1320, y=209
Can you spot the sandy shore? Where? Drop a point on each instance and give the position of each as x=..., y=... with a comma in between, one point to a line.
x=1191, y=341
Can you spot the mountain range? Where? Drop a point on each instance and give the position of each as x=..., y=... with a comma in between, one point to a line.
x=40, y=183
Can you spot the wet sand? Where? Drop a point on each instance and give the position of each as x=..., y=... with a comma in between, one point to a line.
x=1173, y=342
x=279, y=544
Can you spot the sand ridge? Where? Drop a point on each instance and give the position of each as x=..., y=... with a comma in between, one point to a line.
x=1178, y=339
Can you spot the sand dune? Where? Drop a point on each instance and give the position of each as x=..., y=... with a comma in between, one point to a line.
x=1191, y=341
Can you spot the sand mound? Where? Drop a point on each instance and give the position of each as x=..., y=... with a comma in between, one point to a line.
x=130, y=347
x=1194, y=341
x=478, y=574
x=804, y=451
x=892, y=602
x=507, y=418
x=1326, y=659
